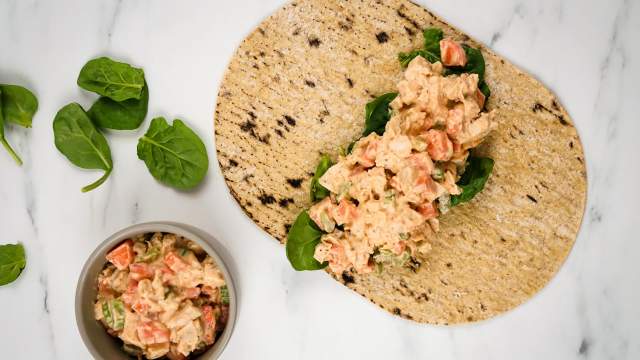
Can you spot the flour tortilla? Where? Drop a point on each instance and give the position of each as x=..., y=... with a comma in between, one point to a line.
x=297, y=87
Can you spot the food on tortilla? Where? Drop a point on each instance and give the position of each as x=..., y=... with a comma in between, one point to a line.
x=162, y=295
x=296, y=88
x=386, y=194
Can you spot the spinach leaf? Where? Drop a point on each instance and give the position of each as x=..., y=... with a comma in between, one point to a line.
x=377, y=114
x=432, y=37
x=12, y=261
x=319, y=192
x=126, y=115
x=350, y=146
x=78, y=139
x=430, y=50
x=174, y=154
x=18, y=105
x=116, y=80
x=302, y=239
x=473, y=180
x=3, y=140
x=224, y=294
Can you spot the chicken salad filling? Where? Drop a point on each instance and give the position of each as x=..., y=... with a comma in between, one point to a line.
x=163, y=296
x=380, y=202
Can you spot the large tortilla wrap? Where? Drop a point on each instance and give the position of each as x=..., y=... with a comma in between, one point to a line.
x=297, y=87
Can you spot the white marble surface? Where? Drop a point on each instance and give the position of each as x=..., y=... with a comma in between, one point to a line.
x=586, y=51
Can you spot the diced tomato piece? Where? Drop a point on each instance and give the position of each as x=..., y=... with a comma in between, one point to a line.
x=191, y=293
x=175, y=262
x=428, y=210
x=345, y=212
x=153, y=332
x=439, y=146
x=139, y=271
x=141, y=308
x=209, y=324
x=122, y=255
x=452, y=53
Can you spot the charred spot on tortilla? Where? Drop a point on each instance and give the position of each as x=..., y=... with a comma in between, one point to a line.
x=266, y=199
x=405, y=17
x=279, y=132
x=291, y=121
x=347, y=278
x=314, y=42
x=284, y=202
x=532, y=198
x=397, y=311
x=382, y=37
x=350, y=82
x=409, y=31
x=310, y=83
x=295, y=182
x=233, y=163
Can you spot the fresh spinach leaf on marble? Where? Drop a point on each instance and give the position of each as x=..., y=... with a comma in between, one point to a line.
x=81, y=142
x=124, y=115
x=430, y=50
x=174, y=154
x=473, y=179
x=18, y=105
x=12, y=261
x=116, y=80
x=377, y=114
x=3, y=139
x=319, y=192
x=302, y=239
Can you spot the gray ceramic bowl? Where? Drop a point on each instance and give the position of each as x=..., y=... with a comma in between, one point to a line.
x=100, y=344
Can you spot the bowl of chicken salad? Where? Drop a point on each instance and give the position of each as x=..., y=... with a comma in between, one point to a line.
x=156, y=291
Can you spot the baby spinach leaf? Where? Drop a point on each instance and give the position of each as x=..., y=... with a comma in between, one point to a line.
x=432, y=37
x=430, y=50
x=78, y=139
x=3, y=140
x=18, y=105
x=174, y=154
x=302, y=240
x=113, y=79
x=473, y=180
x=125, y=115
x=12, y=261
x=319, y=192
x=377, y=114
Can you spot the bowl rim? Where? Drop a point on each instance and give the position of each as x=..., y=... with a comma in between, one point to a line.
x=202, y=238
